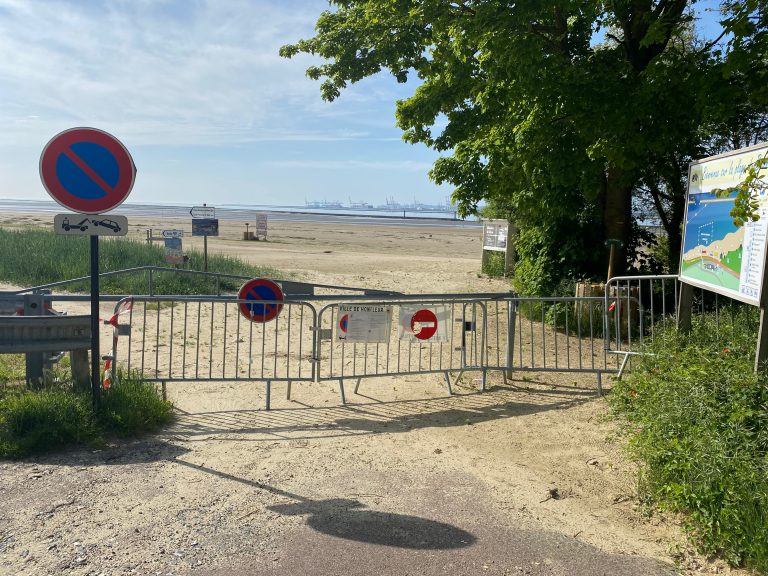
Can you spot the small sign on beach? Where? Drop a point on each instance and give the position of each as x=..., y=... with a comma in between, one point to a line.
x=174, y=253
x=205, y=227
x=173, y=233
x=202, y=212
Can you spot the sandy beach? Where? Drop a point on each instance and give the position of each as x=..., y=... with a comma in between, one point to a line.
x=232, y=489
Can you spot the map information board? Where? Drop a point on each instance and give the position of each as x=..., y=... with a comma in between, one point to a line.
x=716, y=254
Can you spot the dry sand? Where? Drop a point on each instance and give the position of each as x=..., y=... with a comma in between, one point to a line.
x=231, y=487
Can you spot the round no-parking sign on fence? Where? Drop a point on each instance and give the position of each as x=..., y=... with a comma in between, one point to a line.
x=87, y=170
x=263, y=300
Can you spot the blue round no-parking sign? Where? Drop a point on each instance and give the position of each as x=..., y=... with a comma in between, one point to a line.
x=263, y=299
x=87, y=170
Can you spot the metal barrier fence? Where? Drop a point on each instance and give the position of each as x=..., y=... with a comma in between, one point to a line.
x=186, y=338
x=176, y=339
x=560, y=334
x=637, y=307
x=475, y=339
x=172, y=338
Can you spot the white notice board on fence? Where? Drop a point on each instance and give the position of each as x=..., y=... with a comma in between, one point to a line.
x=716, y=254
x=363, y=323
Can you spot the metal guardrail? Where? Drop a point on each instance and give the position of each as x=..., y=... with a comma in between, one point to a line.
x=44, y=333
x=291, y=288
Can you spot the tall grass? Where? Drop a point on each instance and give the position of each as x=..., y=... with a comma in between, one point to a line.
x=35, y=257
x=38, y=421
x=697, y=417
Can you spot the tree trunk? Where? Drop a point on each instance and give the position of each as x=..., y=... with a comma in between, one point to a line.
x=617, y=219
x=675, y=232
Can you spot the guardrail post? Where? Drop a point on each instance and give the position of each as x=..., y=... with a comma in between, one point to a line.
x=35, y=361
x=81, y=373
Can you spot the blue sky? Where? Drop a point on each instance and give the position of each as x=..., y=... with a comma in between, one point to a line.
x=196, y=91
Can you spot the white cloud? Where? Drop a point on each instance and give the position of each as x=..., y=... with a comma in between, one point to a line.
x=172, y=72
x=401, y=165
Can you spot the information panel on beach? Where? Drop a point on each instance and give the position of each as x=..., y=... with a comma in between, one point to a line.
x=716, y=254
x=495, y=233
x=205, y=227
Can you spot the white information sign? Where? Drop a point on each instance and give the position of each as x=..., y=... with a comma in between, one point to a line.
x=202, y=212
x=495, y=233
x=425, y=323
x=363, y=323
x=261, y=225
x=716, y=254
x=173, y=233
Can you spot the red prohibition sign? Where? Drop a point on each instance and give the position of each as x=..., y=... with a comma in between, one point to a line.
x=87, y=170
x=263, y=300
x=424, y=324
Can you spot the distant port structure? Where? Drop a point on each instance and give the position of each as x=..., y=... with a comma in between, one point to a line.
x=390, y=205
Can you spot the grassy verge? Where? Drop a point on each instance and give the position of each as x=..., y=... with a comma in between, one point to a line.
x=38, y=421
x=35, y=257
x=697, y=419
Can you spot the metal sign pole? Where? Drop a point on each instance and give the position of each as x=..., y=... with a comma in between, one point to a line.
x=205, y=253
x=95, y=353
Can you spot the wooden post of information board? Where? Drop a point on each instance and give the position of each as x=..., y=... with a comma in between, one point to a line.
x=761, y=354
x=684, y=308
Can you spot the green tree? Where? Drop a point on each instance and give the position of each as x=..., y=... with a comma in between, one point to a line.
x=533, y=113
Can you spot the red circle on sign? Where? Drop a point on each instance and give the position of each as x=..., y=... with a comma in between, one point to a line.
x=343, y=322
x=427, y=324
x=112, y=191
x=263, y=300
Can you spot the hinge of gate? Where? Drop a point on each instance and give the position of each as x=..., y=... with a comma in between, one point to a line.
x=325, y=333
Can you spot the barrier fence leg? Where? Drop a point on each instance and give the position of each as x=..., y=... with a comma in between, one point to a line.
x=455, y=380
x=357, y=385
x=623, y=366
x=482, y=382
x=288, y=391
x=511, y=319
x=599, y=383
x=165, y=391
x=341, y=390
x=269, y=391
x=448, y=383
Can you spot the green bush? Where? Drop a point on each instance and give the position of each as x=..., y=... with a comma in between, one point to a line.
x=41, y=421
x=35, y=257
x=131, y=406
x=697, y=418
x=37, y=421
x=493, y=263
